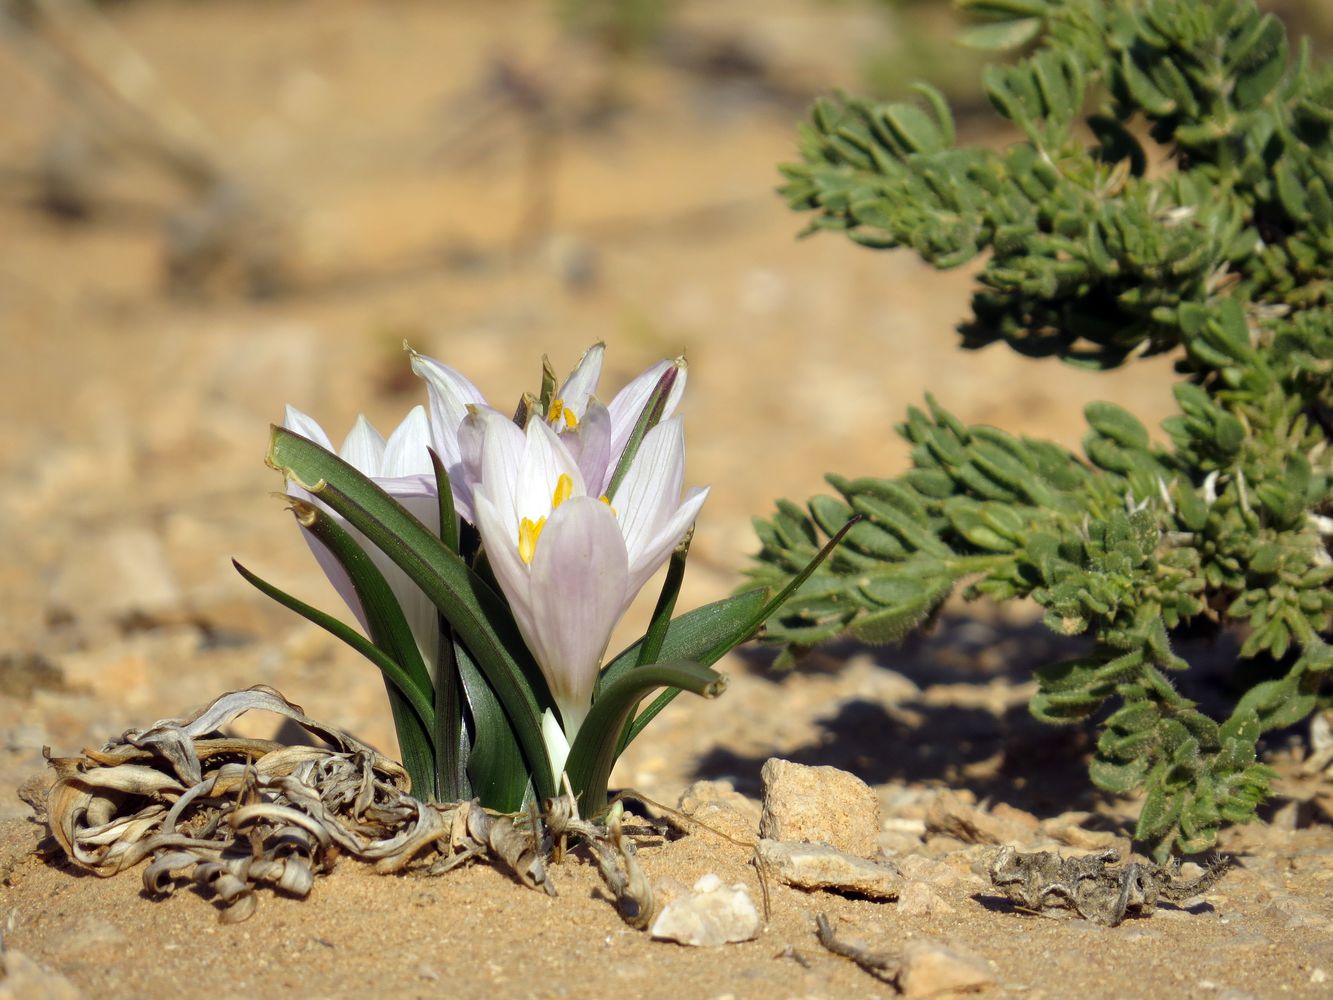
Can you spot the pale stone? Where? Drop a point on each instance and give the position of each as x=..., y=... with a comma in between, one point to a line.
x=717, y=805
x=1067, y=828
x=711, y=914
x=920, y=868
x=818, y=866
x=24, y=979
x=820, y=805
x=929, y=967
x=118, y=574
x=917, y=899
x=951, y=815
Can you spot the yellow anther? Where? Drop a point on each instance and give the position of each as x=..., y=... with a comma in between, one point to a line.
x=559, y=411
x=528, y=533
x=564, y=489
x=529, y=530
x=607, y=500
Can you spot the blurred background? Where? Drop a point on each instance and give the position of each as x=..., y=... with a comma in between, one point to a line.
x=212, y=208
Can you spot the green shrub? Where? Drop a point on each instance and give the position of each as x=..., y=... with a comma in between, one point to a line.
x=1172, y=191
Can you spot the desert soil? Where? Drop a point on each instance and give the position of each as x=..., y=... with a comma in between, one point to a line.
x=131, y=470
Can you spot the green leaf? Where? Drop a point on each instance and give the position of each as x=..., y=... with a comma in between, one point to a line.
x=1160, y=810
x=598, y=741
x=696, y=633
x=650, y=647
x=449, y=734
x=390, y=632
x=1001, y=36
x=1118, y=778
x=392, y=671
x=495, y=766
x=481, y=619
x=419, y=699
x=1117, y=423
x=907, y=602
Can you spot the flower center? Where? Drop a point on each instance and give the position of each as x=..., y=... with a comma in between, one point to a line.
x=558, y=412
x=529, y=530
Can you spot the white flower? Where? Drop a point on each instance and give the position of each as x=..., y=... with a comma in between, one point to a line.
x=568, y=559
x=594, y=434
x=401, y=467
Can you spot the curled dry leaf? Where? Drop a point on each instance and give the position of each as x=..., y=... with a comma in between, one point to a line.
x=233, y=814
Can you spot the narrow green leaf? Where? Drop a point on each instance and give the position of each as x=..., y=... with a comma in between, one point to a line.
x=598, y=741
x=495, y=767
x=736, y=625
x=1001, y=36
x=390, y=632
x=420, y=700
x=694, y=633
x=448, y=732
x=480, y=618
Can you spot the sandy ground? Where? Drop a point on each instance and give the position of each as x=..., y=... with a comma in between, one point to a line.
x=131, y=470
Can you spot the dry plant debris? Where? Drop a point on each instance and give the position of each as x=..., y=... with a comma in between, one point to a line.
x=233, y=814
x=1091, y=887
x=924, y=968
x=882, y=964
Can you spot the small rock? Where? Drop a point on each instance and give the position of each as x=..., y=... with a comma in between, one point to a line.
x=23, y=979
x=1068, y=829
x=919, y=868
x=917, y=899
x=718, y=805
x=712, y=914
x=930, y=967
x=1294, y=912
x=89, y=933
x=952, y=816
x=820, y=805
x=118, y=574
x=818, y=866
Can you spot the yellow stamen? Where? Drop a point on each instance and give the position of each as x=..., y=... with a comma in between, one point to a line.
x=558, y=411
x=528, y=533
x=529, y=530
x=607, y=500
x=564, y=489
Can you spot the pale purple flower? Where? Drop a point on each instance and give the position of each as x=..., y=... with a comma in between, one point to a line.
x=569, y=559
x=401, y=467
x=594, y=434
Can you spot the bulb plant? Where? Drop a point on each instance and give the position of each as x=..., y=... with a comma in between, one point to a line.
x=487, y=559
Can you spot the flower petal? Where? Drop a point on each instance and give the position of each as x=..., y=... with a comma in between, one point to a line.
x=545, y=459
x=656, y=549
x=630, y=401
x=423, y=618
x=450, y=396
x=511, y=573
x=338, y=577
x=307, y=427
x=650, y=491
x=582, y=381
x=590, y=445
x=502, y=450
x=406, y=453
x=363, y=448
x=577, y=592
